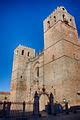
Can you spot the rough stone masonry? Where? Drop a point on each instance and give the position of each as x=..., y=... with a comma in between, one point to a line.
x=56, y=68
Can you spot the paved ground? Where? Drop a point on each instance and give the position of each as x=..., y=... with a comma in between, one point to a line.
x=71, y=116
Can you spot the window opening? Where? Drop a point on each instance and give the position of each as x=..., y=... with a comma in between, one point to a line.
x=21, y=76
x=63, y=16
x=28, y=53
x=70, y=19
x=63, y=8
x=48, y=22
x=37, y=71
x=64, y=19
x=22, y=52
x=54, y=18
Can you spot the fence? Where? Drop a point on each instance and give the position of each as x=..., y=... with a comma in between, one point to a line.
x=15, y=109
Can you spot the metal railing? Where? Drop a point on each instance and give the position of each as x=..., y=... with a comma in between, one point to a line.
x=15, y=109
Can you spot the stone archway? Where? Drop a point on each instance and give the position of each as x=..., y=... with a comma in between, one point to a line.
x=36, y=102
x=43, y=101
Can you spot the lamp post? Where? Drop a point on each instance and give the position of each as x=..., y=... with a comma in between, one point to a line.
x=66, y=106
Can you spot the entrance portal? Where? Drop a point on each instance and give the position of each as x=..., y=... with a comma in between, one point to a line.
x=43, y=101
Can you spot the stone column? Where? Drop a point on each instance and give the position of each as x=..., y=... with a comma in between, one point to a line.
x=51, y=99
x=36, y=104
x=24, y=105
x=4, y=107
x=66, y=108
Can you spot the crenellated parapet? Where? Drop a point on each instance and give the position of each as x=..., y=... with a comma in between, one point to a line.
x=59, y=14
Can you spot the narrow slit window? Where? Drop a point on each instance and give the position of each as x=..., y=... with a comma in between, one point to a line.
x=48, y=23
x=64, y=19
x=21, y=76
x=70, y=19
x=63, y=16
x=63, y=8
x=22, y=52
x=54, y=18
x=28, y=54
x=37, y=71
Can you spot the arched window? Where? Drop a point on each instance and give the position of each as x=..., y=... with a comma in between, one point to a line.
x=54, y=18
x=63, y=8
x=64, y=19
x=63, y=16
x=37, y=71
x=21, y=76
x=70, y=19
x=52, y=57
x=22, y=52
x=48, y=23
x=28, y=54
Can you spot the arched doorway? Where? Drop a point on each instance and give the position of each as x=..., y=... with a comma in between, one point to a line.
x=36, y=107
x=43, y=101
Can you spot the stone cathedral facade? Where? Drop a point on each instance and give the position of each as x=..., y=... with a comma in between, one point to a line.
x=56, y=68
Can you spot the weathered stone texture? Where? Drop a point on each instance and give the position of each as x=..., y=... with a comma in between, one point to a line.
x=57, y=68
x=4, y=96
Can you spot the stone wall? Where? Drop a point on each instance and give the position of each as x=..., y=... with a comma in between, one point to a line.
x=4, y=96
x=57, y=68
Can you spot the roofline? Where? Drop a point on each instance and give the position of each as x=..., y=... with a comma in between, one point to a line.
x=5, y=93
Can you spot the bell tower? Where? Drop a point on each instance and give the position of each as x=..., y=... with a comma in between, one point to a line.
x=59, y=25
x=19, y=85
x=61, y=68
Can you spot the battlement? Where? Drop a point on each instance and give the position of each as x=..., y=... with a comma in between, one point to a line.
x=59, y=14
x=24, y=51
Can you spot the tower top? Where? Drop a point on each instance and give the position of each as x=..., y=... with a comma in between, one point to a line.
x=24, y=51
x=59, y=14
x=60, y=8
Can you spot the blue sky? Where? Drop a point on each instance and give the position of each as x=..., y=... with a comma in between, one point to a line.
x=21, y=22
